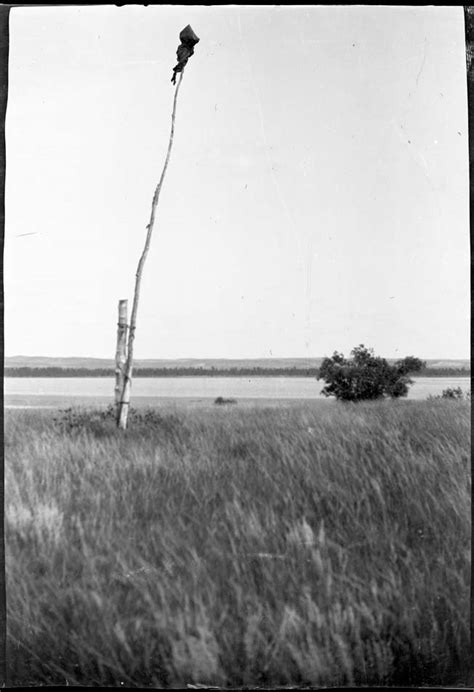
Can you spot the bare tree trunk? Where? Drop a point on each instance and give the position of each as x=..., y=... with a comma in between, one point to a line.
x=120, y=354
x=125, y=400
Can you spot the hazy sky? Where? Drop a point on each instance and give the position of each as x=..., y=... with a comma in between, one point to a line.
x=316, y=198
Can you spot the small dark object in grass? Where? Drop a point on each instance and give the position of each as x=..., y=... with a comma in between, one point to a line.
x=221, y=400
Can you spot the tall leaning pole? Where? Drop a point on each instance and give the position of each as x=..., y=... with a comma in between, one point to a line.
x=124, y=352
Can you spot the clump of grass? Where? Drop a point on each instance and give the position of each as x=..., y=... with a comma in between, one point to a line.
x=222, y=400
x=455, y=393
x=316, y=545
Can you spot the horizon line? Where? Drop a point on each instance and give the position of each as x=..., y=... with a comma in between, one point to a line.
x=111, y=358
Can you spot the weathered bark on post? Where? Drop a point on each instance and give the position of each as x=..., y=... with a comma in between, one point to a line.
x=127, y=382
x=120, y=353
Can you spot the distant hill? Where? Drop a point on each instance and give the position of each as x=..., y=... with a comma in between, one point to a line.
x=205, y=363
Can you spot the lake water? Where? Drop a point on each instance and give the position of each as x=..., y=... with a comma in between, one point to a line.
x=62, y=391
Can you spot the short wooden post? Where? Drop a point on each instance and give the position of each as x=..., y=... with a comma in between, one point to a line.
x=120, y=354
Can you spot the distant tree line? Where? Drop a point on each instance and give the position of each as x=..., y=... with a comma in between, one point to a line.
x=205, y=372
x=445, y=372
x=163, y=372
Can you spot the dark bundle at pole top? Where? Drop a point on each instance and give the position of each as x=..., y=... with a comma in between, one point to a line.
x=185, y=49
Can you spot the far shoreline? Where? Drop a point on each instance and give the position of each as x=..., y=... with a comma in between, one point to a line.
x=257, y=372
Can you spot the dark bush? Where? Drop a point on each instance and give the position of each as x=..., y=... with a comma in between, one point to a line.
x=366, y=376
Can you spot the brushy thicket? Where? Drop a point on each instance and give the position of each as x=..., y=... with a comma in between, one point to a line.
x=325, y=545
x=366, y=377
x=453, y=393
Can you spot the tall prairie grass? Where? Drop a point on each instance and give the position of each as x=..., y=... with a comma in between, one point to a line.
x=324, y=545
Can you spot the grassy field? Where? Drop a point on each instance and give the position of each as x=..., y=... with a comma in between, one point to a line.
x=319, y=544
